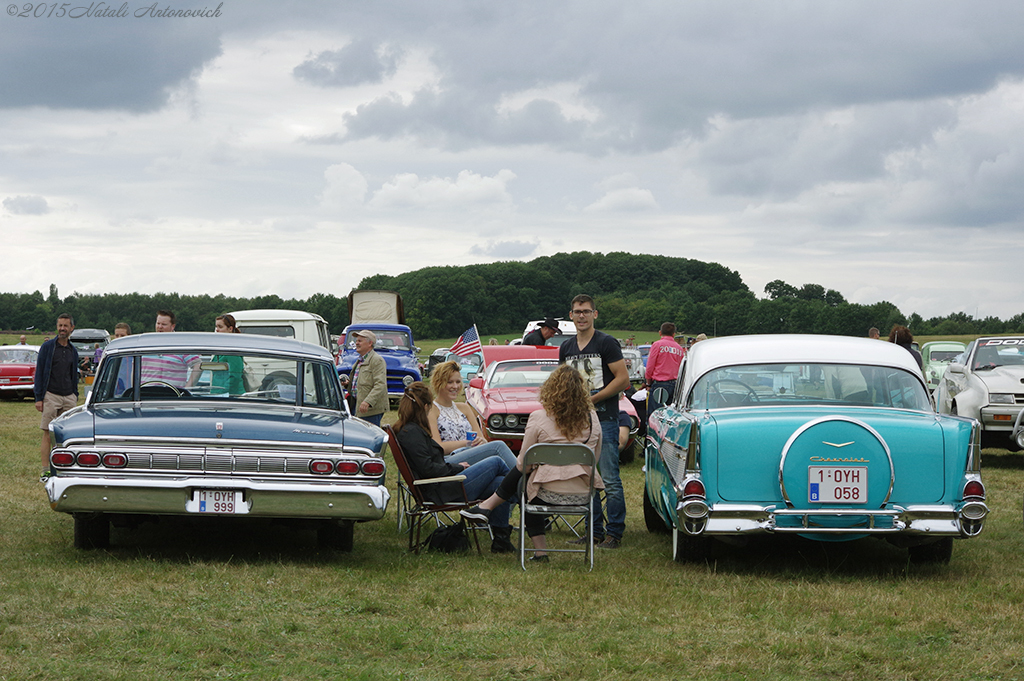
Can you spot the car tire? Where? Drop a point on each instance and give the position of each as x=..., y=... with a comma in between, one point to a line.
x=653, y=521
x=935, y=553
x=275, y=379
x=689, y=549
x=92, y=531
x=336, y=535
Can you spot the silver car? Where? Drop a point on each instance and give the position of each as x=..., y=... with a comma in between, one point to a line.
x=986, y=383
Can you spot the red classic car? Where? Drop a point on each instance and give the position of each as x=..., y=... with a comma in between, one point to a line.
x=17, y=370
x=506, y=395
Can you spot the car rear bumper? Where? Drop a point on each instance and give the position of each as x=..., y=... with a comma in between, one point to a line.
x=966, y=520
x=263, y=498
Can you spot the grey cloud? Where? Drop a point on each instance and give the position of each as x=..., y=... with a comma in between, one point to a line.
x=101, y=63
x=358, y=62
x=26, y=205
x=505, y=249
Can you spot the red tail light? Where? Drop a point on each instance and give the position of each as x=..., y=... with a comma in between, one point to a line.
x=374, y=468
x=115, y=460
x=348, y=468
x=88, y=459
x=321, y=467
x=693, y=488
x=974, y=489
x=62, y=459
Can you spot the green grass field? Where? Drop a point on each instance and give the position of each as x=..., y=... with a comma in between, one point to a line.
x=251, y=600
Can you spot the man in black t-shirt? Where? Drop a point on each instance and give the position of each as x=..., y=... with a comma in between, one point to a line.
x=56, y=380
x=598, y=357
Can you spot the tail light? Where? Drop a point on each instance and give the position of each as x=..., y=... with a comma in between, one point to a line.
x=974, y=489
x=374, y=468
x=321, y=467
x=62, y=459
x=693, y=488
x=88, y=459
x=115, y=460
x=348, y=468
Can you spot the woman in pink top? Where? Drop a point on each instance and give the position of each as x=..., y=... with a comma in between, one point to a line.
x=568, y=416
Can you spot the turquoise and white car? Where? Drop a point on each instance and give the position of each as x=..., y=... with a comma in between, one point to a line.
x=831, y=438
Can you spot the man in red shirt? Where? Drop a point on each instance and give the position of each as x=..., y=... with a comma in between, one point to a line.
x=663, y=366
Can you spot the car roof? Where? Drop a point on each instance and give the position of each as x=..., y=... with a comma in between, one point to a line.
x=376, y=325
x=274, y=316
x=726, y=351
x=20, y=347
x=90, y=333
x=215, y=342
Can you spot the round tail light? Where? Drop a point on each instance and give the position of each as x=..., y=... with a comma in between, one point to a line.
x=88, y=459
x=374, y=468
x=321, y=467
x=62, y=459
x=693, y=488
x=974, y=489
x=348, y=468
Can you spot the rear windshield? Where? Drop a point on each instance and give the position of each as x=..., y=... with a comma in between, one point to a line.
x=824, y=384
x=229, y=376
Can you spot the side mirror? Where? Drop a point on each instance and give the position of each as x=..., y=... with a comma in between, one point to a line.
x=955, y=368
x=477, y=383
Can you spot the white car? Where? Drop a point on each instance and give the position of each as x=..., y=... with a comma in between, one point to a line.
x=634, y=364
x=986, y=383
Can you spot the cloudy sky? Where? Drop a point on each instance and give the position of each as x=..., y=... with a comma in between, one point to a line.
x=870, y=146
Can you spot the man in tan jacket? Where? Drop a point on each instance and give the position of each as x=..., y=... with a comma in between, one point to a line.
x=369, y=379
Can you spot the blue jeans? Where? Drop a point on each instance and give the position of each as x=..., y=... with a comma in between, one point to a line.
x=615, y=500
x=472, y=455
x=375, y=419
x=482, y=479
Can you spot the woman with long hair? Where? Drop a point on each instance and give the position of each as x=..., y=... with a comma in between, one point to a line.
x=231, y=382
x=568, y=416
x=452, y=423
x=426, y=459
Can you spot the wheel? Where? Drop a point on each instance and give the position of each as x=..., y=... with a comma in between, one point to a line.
x=689, y=549
x=158, y=385
x=92, y=531
x=275, y=379
x=751, y=395
x=936, y=553
x=651, y=518
x=335, y=535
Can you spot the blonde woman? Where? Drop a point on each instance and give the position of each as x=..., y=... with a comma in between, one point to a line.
x=452, y=423
x=568, y=416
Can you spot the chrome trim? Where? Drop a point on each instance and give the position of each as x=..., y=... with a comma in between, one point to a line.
x=824, y=419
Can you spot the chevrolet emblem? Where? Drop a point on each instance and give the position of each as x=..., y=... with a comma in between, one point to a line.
x=838, y=446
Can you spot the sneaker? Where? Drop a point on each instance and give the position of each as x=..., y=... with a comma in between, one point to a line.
x=609, y=543
x=476, y=513
x=583, y=540
x=540, y=559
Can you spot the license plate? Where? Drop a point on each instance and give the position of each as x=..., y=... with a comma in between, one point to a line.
x=5, y=380
x=218, y=501
x=837, y=484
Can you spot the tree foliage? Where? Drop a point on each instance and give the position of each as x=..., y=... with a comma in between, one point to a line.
x=636, y=292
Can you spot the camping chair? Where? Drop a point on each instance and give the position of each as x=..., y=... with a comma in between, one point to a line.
x=558, y=455
x=415, y=508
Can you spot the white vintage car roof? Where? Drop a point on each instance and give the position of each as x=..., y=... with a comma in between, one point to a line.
x=274, y=316
x=715, y=353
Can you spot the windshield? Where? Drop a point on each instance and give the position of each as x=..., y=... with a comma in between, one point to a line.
x=943, y=356
x=233, y=376
x=998, y=352
x=526, y=374
x=16, y=356
x=386, y=340
x=803, y=384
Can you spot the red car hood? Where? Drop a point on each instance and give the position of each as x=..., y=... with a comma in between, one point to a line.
x=522, y=400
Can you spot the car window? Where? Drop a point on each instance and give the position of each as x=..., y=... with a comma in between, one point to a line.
x=998, y=352
x=320, y=386
x=821, y=384
x=280, y=330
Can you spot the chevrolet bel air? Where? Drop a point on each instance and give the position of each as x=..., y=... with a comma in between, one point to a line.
x=829, y=438
x=226, y=425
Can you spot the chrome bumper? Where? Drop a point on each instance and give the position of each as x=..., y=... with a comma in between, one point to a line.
x=264, y=498
x=931, y=520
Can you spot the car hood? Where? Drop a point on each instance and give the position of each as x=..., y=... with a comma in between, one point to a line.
x=513, y=400
x=748, y=445
x=265, y=426
x=1003, y=379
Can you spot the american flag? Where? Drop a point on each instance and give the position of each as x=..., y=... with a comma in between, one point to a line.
x=468, y=343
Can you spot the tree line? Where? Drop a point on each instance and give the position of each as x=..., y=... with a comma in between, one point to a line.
x=636, y=292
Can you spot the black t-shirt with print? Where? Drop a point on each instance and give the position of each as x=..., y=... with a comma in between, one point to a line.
x=593, y=361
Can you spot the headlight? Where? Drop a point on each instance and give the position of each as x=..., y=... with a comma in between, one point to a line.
x=407, y=380
x=494, y=421
x=1000, y=398
x=511, y=421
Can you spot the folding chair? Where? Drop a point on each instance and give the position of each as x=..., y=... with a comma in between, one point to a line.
x=559, y=455
x=415, y=507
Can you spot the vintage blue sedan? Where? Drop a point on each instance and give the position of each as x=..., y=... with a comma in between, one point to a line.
x=204, y=424
x=830, y=438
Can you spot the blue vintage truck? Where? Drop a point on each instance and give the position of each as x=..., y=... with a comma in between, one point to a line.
x=381, y=312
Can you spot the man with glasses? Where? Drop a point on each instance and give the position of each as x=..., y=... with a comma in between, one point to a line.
x=598, y=357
